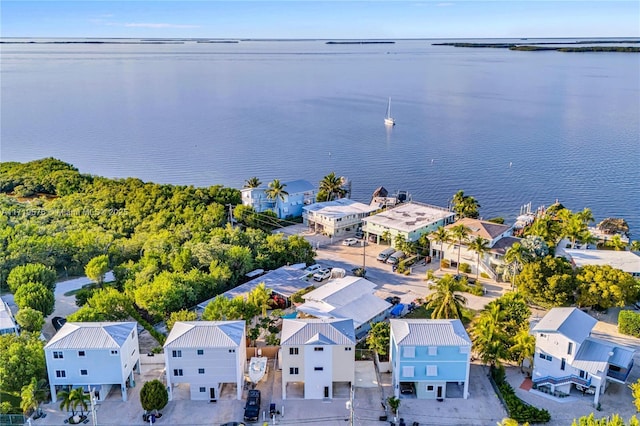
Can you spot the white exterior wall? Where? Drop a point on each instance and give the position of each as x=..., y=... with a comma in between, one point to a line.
x=343, y=362
x=315, y=381
x=335, y=226
x=221, y=365
x=291, y=361
x=103, y=367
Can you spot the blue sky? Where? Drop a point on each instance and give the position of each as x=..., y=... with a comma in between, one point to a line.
x=320, y=19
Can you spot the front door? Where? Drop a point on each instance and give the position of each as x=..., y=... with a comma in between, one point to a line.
x=439, y=392
x=212, y=394
x=326, y=391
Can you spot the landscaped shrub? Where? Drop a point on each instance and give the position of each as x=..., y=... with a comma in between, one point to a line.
x=475, y=290
x=297, y=296
x=518, y=409
x=402, y=267
x=484, y=275
x=465, y=268
x=444, y=263
x=629, y=323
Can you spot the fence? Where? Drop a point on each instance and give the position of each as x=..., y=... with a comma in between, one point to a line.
x=12, y=419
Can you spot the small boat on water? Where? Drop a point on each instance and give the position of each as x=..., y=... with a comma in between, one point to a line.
x=257, y=368
x=388, y=120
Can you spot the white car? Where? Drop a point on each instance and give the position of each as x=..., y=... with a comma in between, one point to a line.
x=350, y=242
x=313, y=268
x=322, y=274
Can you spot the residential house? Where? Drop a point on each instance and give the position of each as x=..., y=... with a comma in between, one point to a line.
x=499, y=239
x=626, y=261
x=318, y=356
x=408, y=220
x=299, y=194
x=7, y=322
x=348, y=297
x=96, y=356
x=206, y=355
x=433, y=356
x=336, y=218
x=566, y=355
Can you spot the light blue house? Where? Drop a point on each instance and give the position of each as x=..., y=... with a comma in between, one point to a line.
x=300, y=193
x=430, y=357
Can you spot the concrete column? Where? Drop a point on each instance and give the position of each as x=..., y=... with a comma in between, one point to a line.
x=466, y=380
x=54, y=397
x=123, y=388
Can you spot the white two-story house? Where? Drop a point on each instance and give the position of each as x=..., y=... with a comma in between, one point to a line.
x=317, y=358
x=205, y=355
x=566, y=355
x=300, y=193
x=96, y=356
x=432, y=357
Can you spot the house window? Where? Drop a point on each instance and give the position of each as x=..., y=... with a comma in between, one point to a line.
x=430, y=388
x=318, y=368
x=583, y=374
x=232, y=351
x=80, y=353
x=317, y=349
x=409, y=352
x=200, y=352
x=545, y=356
x=58, y=355
x=407, y=371
x=176, y=354
x=433, y=350
x=293, y=351
x=432, y=370
x=133, y=334
x=200, y=370
x=570, y=348
x=61, y=373
x=133, y=351
x=563, y=364
x=177, y=372
x=348, y=348
x=614, y=368
x=114, y=352
x=203, y=389
x=293, y=370
x=83, y=372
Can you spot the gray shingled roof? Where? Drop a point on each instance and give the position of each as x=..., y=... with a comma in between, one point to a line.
x=310, y=331
x=91, y=335
x=427, y=332
x=570, y=322
x=205, y=334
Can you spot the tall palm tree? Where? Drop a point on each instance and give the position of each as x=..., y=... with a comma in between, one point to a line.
x=465, y=205
x=252, y=182
x=459, y=233
x=488, y=337
x=440, y=235
x=524, y=346
x=80, y=399
x=259, y=297
x=331, y=186
x=66, y=401
x=480, y=246
x=275, y=191
x=617, y=243
x=446, y=300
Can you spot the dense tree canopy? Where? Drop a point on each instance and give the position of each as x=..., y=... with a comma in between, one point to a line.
x=36, y=296
x=30, y=319
x=21, y=359
x=605, y=286
x=547, y=282
x=153, y=395
x=31, y=273
x=97, y=268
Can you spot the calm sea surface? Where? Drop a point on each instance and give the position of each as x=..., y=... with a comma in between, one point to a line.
x=507, y=127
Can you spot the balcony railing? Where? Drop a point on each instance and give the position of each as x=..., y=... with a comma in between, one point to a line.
x=620, y=375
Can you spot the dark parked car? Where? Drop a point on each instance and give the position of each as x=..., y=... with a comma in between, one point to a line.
x=406, y=388
x=58, y=322
x=252, y=407
x=394, y=300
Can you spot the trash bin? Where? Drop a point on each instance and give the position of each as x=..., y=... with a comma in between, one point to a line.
x=152, y=418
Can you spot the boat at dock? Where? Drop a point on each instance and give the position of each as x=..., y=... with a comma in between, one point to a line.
x=257, y=368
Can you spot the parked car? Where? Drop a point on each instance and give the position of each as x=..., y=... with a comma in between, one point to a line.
x=58, y=322
x=322, y=274
x=406, y=388
x=252, y=407
x=350, y=242
x=384, y=254
x=396, y=257
x=394, y=300
x=313, y=268
x=359, y=234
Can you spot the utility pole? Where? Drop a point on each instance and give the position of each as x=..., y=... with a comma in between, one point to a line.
x=349, y=405
x=94, y=415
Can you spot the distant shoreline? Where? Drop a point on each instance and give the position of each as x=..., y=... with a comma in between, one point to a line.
x=545, y=46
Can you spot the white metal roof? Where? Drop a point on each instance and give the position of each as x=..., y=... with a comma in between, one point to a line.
x=348, y=297
x=594, y=356
x=206, y=334
x=339, y=208
x=626, y=261
x=428, y=332
x=311, y=331
x=91, y=335
x=6, y=318
x=408, y=217
x=571, y=322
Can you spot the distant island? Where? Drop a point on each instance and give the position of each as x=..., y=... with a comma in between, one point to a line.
x=361, y=42
x=546, y=46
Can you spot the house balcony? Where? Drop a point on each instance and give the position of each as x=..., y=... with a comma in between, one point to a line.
x=619, y=374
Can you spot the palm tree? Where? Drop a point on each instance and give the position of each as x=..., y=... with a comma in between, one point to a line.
x=524, y=346
x=80, y=399
x=331, y=187
x=259, y=297
x=635, y=245
x=617, y=243
x=275, y=191
x=465, y=205
x=441, y=235
x=488, y=336
x=480, y=246
x=66, y=401
x=515, y=257
x=445, y=301
x=252, y=182
x=459, y=233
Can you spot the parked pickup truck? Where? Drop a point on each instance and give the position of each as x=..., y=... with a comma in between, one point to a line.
x=252, y=407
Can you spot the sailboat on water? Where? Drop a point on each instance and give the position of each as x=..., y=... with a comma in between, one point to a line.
x=388, y=120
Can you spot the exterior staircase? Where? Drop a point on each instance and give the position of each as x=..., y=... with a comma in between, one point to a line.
x=549, y=380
